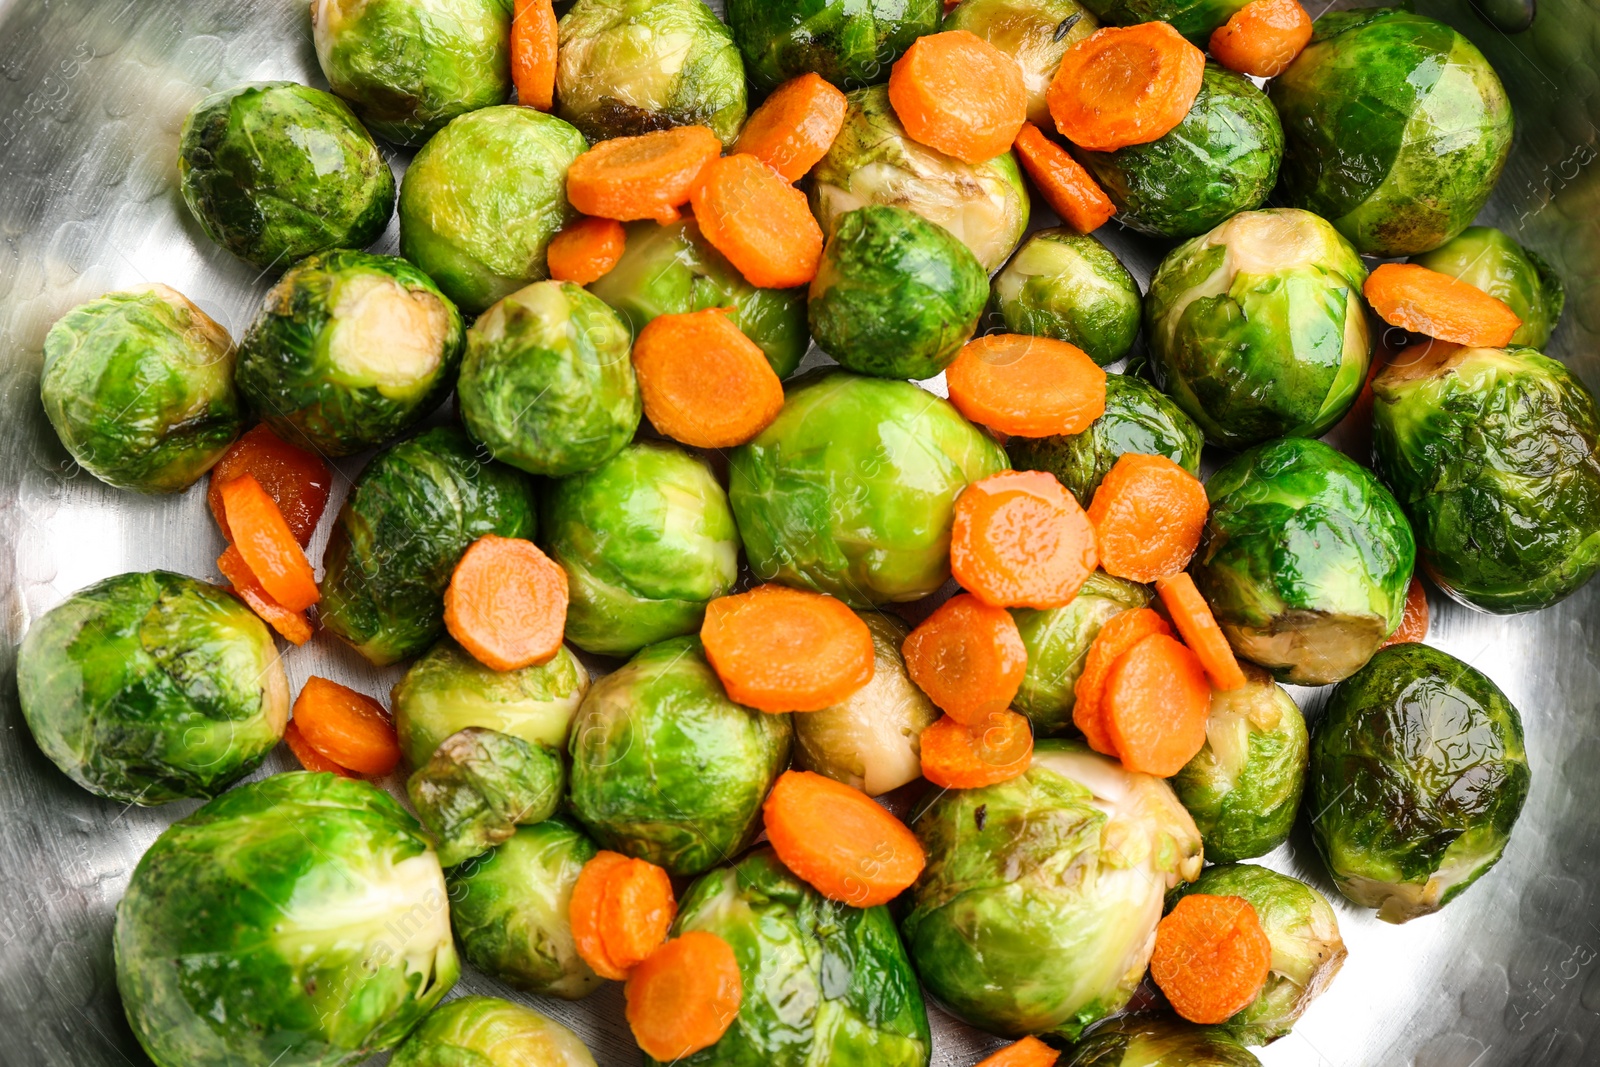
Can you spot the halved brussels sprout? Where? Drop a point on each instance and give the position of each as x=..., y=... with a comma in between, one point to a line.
x=874, y=161
x=1306, y=560
x=1069, y=286
x=1195, y=19
x=349, y=350
x=666, y=768
x=546, y=384
x=1037, y=910
x=647, y=540
x=489, y=1032
x=1418, y=775
x=1485, y=257
x=139, y=387
x=151, y=686
x=1157, y=1041
x=1036, y=33
x=851, y=491
x=275, y=171
x=1058, y=639
x=627, y=67
x=480, y=786
x=1396, y=129
x=1258, y=330
x=298, y=919
x=849, y=42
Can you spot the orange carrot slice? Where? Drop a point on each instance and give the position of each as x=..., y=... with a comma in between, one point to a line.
x=1020, y=540
x=1026, y=386
x=586, y=249
x=1192, y=616
x=1029, y=1052
x=346, y=727
x=310, y=758
x=1414, y=623
x=297, y=480
x=839, y=841
x=293, y=625
x=583, y=913
x=1424, y=301
x=1120, y=633
x=636, y=911
x=507, y=603
x=956, y=756
x=534, y=35
x=780, y=649
x=1262, y=38
x=645, y=177
x=760, y=222
x=794, y=128
x=1125, y=85
x=684, y=997
x=702, y=381
x=1062, y=181
x=968, y=658
x=959, y=94
x=267, y=544
x=1211, y=957
x=1154, y=706
x=1148, y=515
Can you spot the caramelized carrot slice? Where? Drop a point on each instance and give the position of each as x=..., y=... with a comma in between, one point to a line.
x=636, y=911
x=268, y=545
x=1120, y=633
x=1026, y=386
x=298, y=480
x=702, y=381
x=1125, y=85
x=586, y=249
x=1262, y=38
x=968, y=658
x=1154, y=706
x=956, y=756
x=1211, y=957
x=1192, y=616
x=959, y=94
x=760, y=222
x=839, y=841
x=1062, y=181
x=293, y=625
x=780, y=649
x=583, y=913
x=1029, y=1052
x=507, y=603
x=1424, y=301
x=534, y=35
x=1020, y=540
x=1414, y=623
x=794, y=127
x=346, y=727
x=1148, y=515
x=645, y=177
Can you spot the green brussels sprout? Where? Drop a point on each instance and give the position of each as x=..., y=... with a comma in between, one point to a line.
x=1492, y=453
x=871, y=740
x=275, y=171
x=407, y=67
x=1418, y=775
x=851, y=490
x=631, y=66
x=1137, y=419
x=647, y=540
x=874, y=161
x=139, y=387
x=1305, y=561
x=489, y=1032
x=482, y=199
x=1157, y=1041
x=1058, y=639
x=1243, y=787
x=674, y=270
x=1485, y=257
x=349, y=350
x=665, y=767
x=299, y=919
x=1036, y=33
x=1070, y=287
x=895, y=296
x=151, y=686
x=1396, y=129
x=1037, y=910
x=851, y=43
x=1307, y=950
x=824, y=983
x=408, y=518
x=480, y=786
x=1258, y=330
x=1195, y=19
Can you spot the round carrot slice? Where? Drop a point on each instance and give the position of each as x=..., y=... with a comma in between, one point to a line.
x=1148, y=515
x=684, y=997
x=1026, y=386
x=1154, y=706
x=645, y=177
x=298, y=480
x=583, y=914
x=534, y=35
x=310, y=758
x=760, y=222
x=1120, y=633
x=794, y=127
x=267, y=544
x=840, y=841
x=507, y=603
x=1125, y=85
x=1211, y=957
x=968, y=658
x=346, y=727
x=780, y=649
x=1029, y=1052
x=956, y=756
x=1425, y=301
x=702, y=381
x=1414, y=623
x=1262, y=37
x=959, y=94
x=1192, y=616
x=586, y=249
x=636, y=911
x=1020, y=540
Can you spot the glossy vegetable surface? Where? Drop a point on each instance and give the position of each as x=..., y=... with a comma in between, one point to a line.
x=1485, y=257
x=1158, y=1041
x=849, y=43
x=479, y=786
x=1195, y=19
x=1035, y=33
x=489, y=1032
x=1058, y=639
x=1070, y=287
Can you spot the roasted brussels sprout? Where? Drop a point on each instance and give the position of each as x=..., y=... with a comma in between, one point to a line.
x=299, y=919
x=1493, y=454
x=874, y=161
x=1058, y=639
x=410, y=514
x=673, y=269
x=480, y=786
x=1257, y=329
x=139, y=387
x=895, y=295
x=647, y=540
x=1305, y=561
x=824, y=983
x=1037, y=910
x=1036, y=33
x=851, y=43
x=1157, y=1041
x=851, y=490
x=349, y=350
x=665, y=767
x=1485, y=257
x=1396, y=129
x=489, y=1032
x=482, y=199
x=1195, y=19
x=627, y=67
x=546, y=384
x=275, y=171
x=1069, y=286
x=151, y=686
x=1418, y=775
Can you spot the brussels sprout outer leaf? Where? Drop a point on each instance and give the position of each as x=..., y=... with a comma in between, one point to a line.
x=1057, y=641
x=849, y=44
x=479, y=786
x=1070, y=287
x=1157, y=1041
x=487, y=1032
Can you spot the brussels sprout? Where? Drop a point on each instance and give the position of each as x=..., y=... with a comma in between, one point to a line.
x=1396, y=129
x=872, y=739
x=1493, y=454
x=824, y=983
x=647, y=540
x=488, y=1032
x=1485, y=257
x=1037, y=910
x=481, y=201
x=151, y=686
x=349, y=350
x=1069, y=286
x=1036, y=33
x=631, y=66
x=479, y=786
x=665, y=767
x=1058, y=639
x=1157, y=1041
x=874, y=161
x=546, y=384
x=407, y=67
x=1243, y=787
x=673, y=269
x=408, y=518
x=851, y=490
x=849, y=42
x=895, y=296
x=299, y=919
x=139, y=387
x=1417, y=776
x=275, y=171
x=1137, y=419
x=1195, y=19
x=1257, y=329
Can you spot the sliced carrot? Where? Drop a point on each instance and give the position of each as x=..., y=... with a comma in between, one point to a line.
x=794, y=127
x=1020, y=540
x=310, y=758
x=968, y=658
x=780, y=649
x=760, y=222
x=636, y=911
x=1414, y=623
x=298, y=480
x=1120, y=633
x=1211, y=958
x=1148, y=515
x=956, y=756
x=1062, y=181
x=644, y=177
x=586, y=249
x=1125, y=85
x=1154, y=706
x=507, y=603
x=1192, y=616
x=703, y=382
x=534, y=35
x=684, y=997
x=959, y=94
x=840, y=841
x=583, y=914
x=1262, y=38
x=347, y=727
x=293, y=625
x=267, y=544
x=1424, y=301
x=1026, y=386
x=1029, y=1052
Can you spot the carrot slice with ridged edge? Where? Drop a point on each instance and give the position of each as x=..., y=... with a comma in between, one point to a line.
x=507, y=603
x=1029, y=1052
x=346, y=727
x=1020, y=540
x=779, y=649
x=1120, y=633
x=268, y=546
x=583, y=914
x=1063, y=182
x=293, y=625
x=959, y=94
x=794, y=127
x=1148, y=515
x=761, y=223
x=298, y=480
x=1154, y=706
x=645, y=177
x=586, y=249
x=1125, y=85
x=702, y=381
x=1414, y=623
x=957, y=756
x=1211, y=958
x=968, y=658
x=1026, y=386
x=1425, y=301
x=1262, y=38
x=840, y=841
x=685, y=996
x=1192, y=616
x=534, y=36
x=310, y=758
